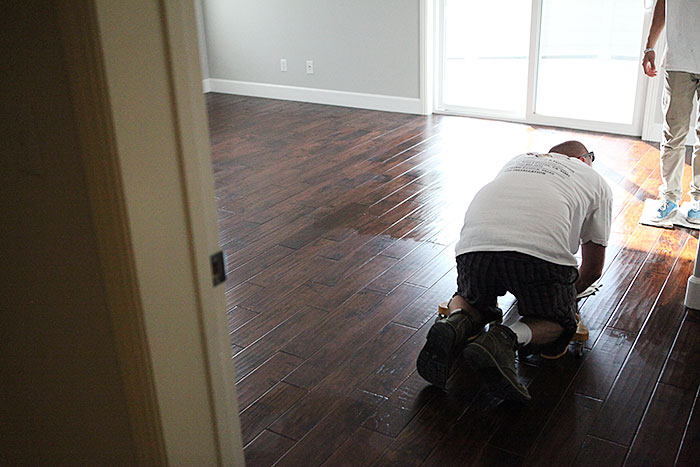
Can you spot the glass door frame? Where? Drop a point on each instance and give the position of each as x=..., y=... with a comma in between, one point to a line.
x=529, y=116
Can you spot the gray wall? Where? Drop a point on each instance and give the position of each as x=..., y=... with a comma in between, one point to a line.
x=364, y=46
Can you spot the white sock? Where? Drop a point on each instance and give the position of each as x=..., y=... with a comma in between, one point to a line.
x=523, y=332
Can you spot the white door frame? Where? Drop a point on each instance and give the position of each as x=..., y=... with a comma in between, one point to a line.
x=437, y=19
x=427, y=11
x=136, y=82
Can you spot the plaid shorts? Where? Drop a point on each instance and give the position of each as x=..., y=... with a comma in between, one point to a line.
x=544, y=290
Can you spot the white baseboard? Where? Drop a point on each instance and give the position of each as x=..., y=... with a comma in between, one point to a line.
x=315, y=96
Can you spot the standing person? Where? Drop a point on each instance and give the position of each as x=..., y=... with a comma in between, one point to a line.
x=681, y=62
x=520, y=235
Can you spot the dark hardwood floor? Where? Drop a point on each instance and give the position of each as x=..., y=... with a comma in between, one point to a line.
x=339, y=226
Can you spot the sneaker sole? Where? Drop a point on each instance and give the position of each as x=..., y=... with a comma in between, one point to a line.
x=693, y=221
x=497, y=383
x=436, y=358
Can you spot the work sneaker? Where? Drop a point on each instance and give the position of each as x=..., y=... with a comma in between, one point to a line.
x=694, y=212
x=446, y=338
x=492, y=355
x=666, y=208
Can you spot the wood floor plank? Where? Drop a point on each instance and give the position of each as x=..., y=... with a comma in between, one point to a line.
x=667, y=247
x=239, y=293
x=690, y=448
x=603, y=363
x=361, y=448
x=499, y=457
x=405, y=268
x=619, y=418
x=398, y=367
x=398, y=410
x=398, y=199
x=670, y=408
x=352, y=259
x=309, y=411
x=245, y=271
x=356, y=333
x=267, y=409
x=266, y=236
x=268, y=318
x=353, y=281
x=262, y=205
x=565, y=432
x=266, y=376
x=596, y=311
x=467, y=441
x=294, y=269
x=264, y=450
x=626, y=221
x=633, y=311
x=682, y=369
x=397, y=212
x=365, y=227
x=402, y=231
x=424, y=432
x=348, y=214
x=631, y=179
x=325, y=331
x=435, y=269
x=596, y=451
x=371, y=354
x=547, y=389
x=330, y=434
x=233, y=230
x=239, y=316
x=424, y=308
x=284, y=215
x=259, y=351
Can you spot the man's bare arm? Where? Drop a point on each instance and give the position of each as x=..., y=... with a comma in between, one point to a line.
x=658, y=21
x=592, y=262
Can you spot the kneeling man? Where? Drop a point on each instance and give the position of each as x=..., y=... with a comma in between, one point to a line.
x=520, y=235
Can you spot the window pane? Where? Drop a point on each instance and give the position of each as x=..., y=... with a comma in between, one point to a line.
x=486, y=54
x=589, y=59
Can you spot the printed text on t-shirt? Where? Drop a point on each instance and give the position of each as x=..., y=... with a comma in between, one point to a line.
x=539, y=166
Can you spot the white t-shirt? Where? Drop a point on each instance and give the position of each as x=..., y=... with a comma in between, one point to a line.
x=542, y=205
x=682, y=36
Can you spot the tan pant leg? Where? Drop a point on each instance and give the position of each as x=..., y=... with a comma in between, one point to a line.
x=677, y=104
x=695, y=162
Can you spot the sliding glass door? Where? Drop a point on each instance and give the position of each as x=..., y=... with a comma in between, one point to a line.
x=485, y=62
x=570, y=63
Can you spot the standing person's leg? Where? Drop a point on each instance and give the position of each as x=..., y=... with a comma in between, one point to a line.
x=677, y=103
x=694, y=212
x=472, y=307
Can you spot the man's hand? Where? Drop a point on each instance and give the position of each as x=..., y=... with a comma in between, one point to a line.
x=649, y=64
x=658, y=20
